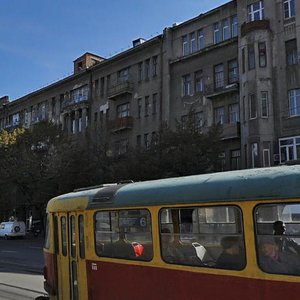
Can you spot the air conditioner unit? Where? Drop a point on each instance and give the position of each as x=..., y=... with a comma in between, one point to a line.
x=276, y=157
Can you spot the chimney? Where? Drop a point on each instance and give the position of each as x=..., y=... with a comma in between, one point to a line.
x=138, y=42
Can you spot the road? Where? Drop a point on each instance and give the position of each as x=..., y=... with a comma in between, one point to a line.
x=21, y=267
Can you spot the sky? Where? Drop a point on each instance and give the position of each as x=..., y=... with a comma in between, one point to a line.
x=40, y=39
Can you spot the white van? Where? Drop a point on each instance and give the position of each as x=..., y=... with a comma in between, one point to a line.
x=12, y=229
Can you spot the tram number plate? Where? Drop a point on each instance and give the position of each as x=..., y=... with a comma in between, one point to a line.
x=94, y=266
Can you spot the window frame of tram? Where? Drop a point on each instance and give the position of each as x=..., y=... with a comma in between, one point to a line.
x=202, y=236
x=125, y=234
x=63, y=227
x=278, y=245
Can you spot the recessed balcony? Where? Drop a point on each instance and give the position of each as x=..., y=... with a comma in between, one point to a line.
x=231, y=131
x=120, y=124
x=212, y=90
x=120, y=89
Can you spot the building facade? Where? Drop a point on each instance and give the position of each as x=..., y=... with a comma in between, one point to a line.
x=236, y=65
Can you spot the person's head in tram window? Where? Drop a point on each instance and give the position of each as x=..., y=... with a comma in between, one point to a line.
x=279, y=228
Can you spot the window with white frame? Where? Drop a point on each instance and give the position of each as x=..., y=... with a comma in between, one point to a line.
x=233, y=73
x=291, y=52
x=201, y=39
x=294, y=102
x=252, y=107
x=186, y=85
x=123, y=110
x=217, y=33
x=289, y=8
x=262, y=54
x=234, y=113
x=123, y=75
x=193, y=42
x=264, y=104
x=219, y=114
x=219, y=76
x=256, y=11
x=289, y=148
x=226, y=29
x=80, y=94
x=16, y=119
x=199, y=81
x=234, y=26
x=185, y=45
x=198, y=120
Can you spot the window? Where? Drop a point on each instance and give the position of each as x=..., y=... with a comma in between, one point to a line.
x=193, y=42
x=201, y=39
x=147, y=106
x=197, y=235
x=235, y=159
x=262, y=54
x=219, y=76
x=199, y=81
x=226, y=29
x=233, y=73
x=139, y=107
x=277, y=231
x=64, y=245
x=219, y=115
x=123, y=110
x=154, y=138
x=146, y=140
x=147, y=69
x=217, y=33
x=254, y=155
x=289, y=8
x=252, y=107
x=266, y=158
x=234, y=26
x=123, y=75
x=289, y=148
x=234, y=113
x=198, y=121
x=294, y=102
x=121, y=147
x=251, y=57
x=154, y=66
x=291, y=52
x=154, y=104
x=97, y=86
x=81, y=236
x=186, y=85
x=256, y=11
x=139, y=141
x=80, y=94
x=124, y=234
x=264, y=104
x=185, y=45
x=102, y=86
x=243, y=61
x=140, y=71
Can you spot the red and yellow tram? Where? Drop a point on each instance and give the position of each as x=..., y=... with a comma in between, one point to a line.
x=170, y=238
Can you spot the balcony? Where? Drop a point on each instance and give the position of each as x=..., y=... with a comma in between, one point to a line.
x=231, y=131
x=212, y=91
x=120, y=89
x=255, y=25
x=72, y=104
x=120, y=124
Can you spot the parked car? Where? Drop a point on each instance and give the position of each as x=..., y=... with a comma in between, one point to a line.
x=12, y=229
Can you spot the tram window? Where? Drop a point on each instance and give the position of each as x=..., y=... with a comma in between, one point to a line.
x=278, y=237
x=124, y=234
x=72, y=237
x=63, y=235
x=47, y=237
x=203, y=236
x=81, y=236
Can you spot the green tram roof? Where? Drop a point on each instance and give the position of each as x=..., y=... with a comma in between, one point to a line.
x=263, y=184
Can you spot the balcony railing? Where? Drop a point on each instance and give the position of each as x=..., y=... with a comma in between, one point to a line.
x=211, y=90
x=119, y=89
x=254, y=25
x=231, y=131
x=77, y=102
x=121, y=124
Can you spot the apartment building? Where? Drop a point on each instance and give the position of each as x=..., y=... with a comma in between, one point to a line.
x=236, y=65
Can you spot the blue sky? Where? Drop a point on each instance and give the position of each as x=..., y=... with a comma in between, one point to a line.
x=39, y=39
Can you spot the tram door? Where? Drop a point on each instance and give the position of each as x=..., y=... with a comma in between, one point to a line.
x=72, y=272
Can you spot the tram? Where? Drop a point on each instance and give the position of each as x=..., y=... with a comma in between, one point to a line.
x=206, y=236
